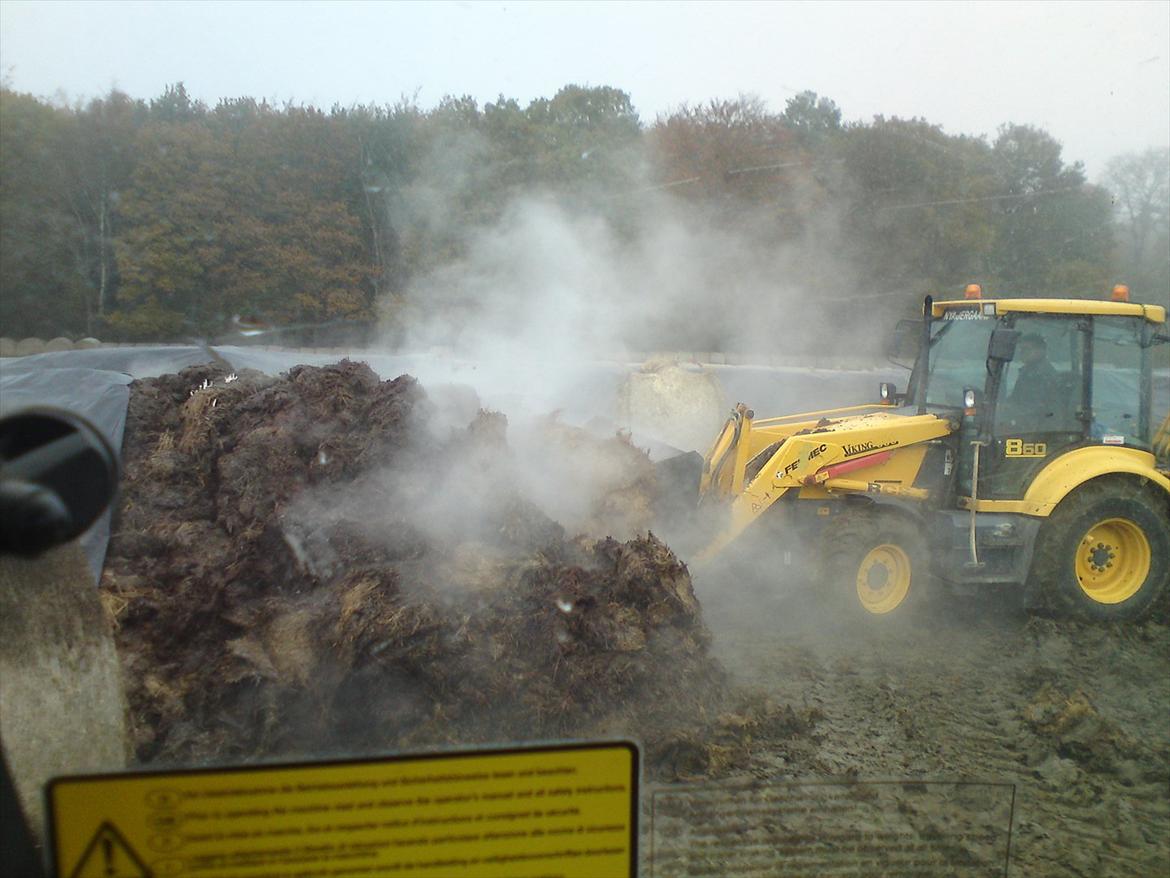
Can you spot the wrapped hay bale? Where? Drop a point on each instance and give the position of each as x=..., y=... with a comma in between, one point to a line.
x=680, y=404
x=28, y=346
x=60, y=343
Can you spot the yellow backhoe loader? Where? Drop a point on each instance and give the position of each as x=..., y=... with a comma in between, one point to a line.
x=1023, y=452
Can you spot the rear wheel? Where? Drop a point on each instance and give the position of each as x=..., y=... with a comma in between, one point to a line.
x=1104, y=553
x=878, y=561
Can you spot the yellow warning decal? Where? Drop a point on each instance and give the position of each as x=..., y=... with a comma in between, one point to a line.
x=109, y=856
x=566, y=810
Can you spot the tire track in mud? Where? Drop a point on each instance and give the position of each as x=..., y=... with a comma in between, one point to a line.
x=1076, y=716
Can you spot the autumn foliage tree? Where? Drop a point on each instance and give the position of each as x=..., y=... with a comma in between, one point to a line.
x=170, y=219
x=243, y=210
x=43, y=287
x=1140, y=183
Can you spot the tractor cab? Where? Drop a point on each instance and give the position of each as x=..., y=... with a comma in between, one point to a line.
x=1035, y=378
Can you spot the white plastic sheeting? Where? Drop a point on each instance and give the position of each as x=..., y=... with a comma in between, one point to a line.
x=93, y=384
x=100, y=396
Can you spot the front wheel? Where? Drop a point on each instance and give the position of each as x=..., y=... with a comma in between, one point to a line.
x=1104, y=553
x=879, y=561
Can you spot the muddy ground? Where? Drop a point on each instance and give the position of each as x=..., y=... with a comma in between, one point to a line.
x=1076, y=717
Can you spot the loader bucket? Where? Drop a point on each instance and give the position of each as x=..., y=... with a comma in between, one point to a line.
x=678, y=479
x=677, y=516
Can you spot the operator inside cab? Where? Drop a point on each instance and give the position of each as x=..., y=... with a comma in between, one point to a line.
x=1038, y=391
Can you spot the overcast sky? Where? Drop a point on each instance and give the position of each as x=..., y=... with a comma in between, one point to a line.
x=1095, y=75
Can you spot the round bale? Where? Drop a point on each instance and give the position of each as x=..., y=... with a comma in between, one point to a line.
x=60, y=343
x=681, y=404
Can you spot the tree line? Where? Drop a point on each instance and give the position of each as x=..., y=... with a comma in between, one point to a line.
x=169, y=219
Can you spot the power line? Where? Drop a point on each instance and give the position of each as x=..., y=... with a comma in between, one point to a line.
x=774, y=167
x=733, y=172
x=670, y=185
x=977, y=198
x=859, y=296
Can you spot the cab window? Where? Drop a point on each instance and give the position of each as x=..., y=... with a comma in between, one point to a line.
x=958, y=358
x=1041, y=387
x=1117, y=381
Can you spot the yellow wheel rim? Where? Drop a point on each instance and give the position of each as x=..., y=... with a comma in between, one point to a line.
x=1113, y=560
x=883, y=579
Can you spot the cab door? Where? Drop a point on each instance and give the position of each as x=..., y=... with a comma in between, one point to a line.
x=1125, y=407
x=1044, y=402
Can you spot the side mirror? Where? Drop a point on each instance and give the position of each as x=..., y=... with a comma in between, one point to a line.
x=58, y=474
x=888, y=393
x=1002, y=346
x=903, y=348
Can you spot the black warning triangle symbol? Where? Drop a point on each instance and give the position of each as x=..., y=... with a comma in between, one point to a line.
x=109, y=855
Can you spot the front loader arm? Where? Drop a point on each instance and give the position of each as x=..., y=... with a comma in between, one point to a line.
x=861, y=447
x=743, y=437
x=727, y=451
x=779, y=475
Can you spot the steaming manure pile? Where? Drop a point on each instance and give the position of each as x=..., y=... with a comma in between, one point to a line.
x=299, y=564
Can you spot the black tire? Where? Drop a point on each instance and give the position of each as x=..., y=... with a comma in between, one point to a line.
x=876, y=561
x=1110, y=577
